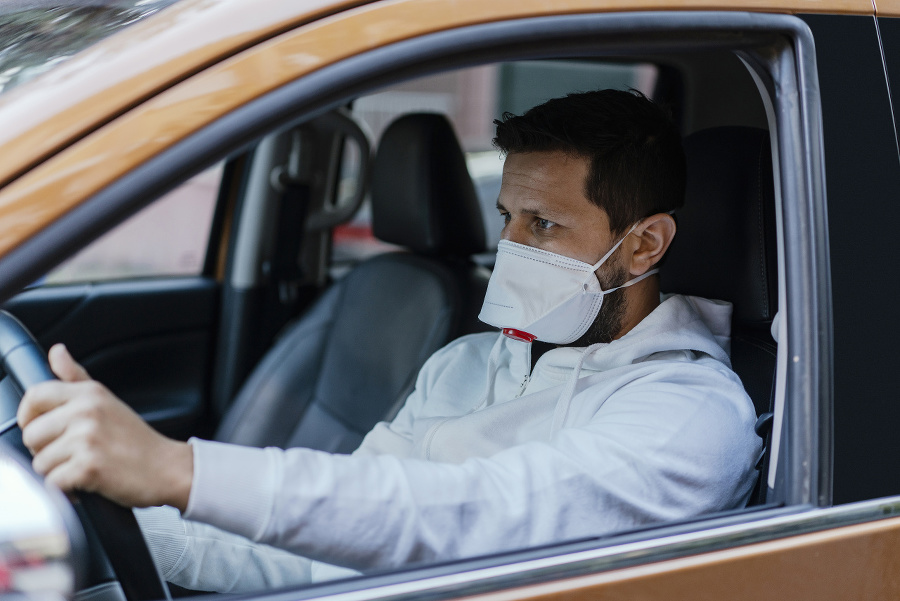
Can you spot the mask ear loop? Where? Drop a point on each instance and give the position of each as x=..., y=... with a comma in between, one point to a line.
x=609, y=253
x=633, y=281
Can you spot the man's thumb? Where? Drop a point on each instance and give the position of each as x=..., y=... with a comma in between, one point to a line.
x=64, y=366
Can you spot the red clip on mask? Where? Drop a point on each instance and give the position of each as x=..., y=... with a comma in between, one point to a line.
x=518, y=335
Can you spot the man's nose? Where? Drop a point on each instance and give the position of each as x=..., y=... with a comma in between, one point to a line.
x=514, y=232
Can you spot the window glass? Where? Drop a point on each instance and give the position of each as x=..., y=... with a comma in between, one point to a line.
x=37, y=35
x=168, y=238
x=471, y=99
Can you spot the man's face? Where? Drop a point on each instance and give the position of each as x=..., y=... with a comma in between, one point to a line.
x=543, y=204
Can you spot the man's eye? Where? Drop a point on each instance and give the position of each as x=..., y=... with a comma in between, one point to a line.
x=544, y=224
x=505, y=217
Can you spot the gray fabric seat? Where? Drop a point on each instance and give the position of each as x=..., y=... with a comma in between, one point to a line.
x=726, y=249
x=352, y=359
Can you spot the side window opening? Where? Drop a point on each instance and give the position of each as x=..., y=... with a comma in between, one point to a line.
x=168, y=238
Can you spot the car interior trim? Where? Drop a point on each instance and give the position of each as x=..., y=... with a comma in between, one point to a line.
x=257, y=213
x=764, y=86
x=219, y=240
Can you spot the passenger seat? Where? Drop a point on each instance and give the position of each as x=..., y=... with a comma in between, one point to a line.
x=352, y=359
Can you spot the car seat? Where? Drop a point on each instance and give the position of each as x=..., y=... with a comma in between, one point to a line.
x=351, y=360
x=725, y=248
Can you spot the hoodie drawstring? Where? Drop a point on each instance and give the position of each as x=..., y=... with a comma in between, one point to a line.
x=565, y=397
x=568, y=392
x=488, y=396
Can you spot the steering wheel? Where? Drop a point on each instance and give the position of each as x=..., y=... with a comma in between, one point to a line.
x=25, y=363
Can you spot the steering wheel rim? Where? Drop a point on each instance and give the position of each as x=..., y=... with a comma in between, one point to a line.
x=25, y=362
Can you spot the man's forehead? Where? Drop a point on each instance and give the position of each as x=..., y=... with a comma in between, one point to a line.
x=544, y=164
x=544, y=183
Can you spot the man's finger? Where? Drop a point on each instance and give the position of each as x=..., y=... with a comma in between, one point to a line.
x=64, y=366
x=44, y=397
x=46, y=427
x=52, y=456
x=70, y=475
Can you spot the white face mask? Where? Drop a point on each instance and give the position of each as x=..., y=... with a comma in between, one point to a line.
x=535, y=294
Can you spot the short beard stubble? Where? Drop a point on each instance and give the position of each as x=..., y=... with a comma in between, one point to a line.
x=608, y=322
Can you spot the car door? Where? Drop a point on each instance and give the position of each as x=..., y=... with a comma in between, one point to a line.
x=862, y=113
x=797, y=545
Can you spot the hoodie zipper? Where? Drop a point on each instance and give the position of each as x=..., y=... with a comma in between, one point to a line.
x=429, y=436
x=524, y=385
x=527, y=378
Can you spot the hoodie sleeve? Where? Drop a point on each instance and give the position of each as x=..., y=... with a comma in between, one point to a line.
x=655, y=455
x=200, y=557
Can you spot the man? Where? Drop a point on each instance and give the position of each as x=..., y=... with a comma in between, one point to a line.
x=599, y=408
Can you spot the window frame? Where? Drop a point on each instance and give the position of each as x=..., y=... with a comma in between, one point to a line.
x=804, y=463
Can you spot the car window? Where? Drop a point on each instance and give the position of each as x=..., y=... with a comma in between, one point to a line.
x=168, y=238
x=471, y=99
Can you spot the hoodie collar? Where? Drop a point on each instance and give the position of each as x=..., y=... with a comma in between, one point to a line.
x=678, y=323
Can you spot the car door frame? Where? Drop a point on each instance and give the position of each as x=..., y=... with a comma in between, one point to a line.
x=803, y=463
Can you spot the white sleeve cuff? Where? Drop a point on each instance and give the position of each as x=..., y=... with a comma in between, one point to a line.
x=164, y=532
x=233, y=487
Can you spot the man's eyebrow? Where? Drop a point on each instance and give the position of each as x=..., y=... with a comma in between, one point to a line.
x=539, y=211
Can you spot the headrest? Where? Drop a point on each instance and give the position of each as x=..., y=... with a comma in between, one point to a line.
x=422, y=195
x=725, y=245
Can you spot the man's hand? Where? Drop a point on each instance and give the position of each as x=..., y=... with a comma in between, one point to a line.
x=84, y=438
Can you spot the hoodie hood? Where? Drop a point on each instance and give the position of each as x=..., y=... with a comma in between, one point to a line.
x=680, y=328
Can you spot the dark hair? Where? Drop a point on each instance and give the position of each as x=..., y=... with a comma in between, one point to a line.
x=637, y=165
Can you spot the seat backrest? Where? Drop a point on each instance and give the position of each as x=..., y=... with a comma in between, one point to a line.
x=725, y=246
x=726, y=249
x=352, y=359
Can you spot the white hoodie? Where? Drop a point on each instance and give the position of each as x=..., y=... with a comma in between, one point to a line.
x=486, y=457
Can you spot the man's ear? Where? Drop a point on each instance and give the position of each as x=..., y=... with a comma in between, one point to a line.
x=654, y=235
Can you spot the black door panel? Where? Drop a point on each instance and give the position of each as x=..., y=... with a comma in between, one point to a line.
x=149, y=341
x=863, y=179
